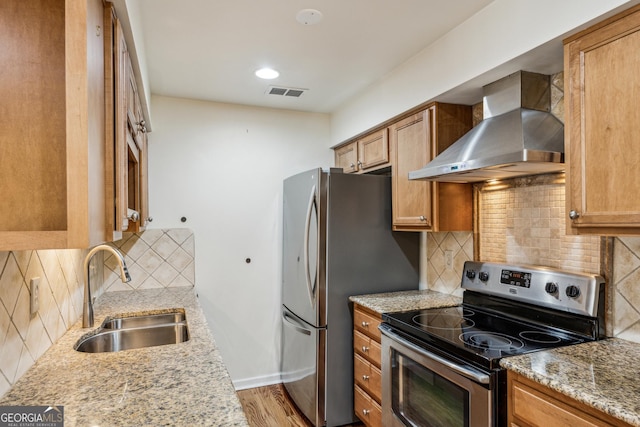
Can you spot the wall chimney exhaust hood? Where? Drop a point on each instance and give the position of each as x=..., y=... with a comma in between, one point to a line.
x=518, y=136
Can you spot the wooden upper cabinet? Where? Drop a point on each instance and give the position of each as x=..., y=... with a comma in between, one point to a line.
x=368, y=153
x=415, y=141
x=52, y=166
x=412, y=200
x=602, y=88
x=126, y=138
x=373, y=150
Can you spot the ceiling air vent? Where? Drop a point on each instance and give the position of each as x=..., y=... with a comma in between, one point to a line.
x=285, y=91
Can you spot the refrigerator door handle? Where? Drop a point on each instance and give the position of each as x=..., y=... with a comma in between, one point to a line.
x=286, y=317
x=311, y=285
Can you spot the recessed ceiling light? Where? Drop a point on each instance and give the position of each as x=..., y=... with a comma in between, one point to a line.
x=309, y=16
x=267, y=73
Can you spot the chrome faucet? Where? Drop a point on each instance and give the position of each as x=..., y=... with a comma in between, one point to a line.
x=87, y=307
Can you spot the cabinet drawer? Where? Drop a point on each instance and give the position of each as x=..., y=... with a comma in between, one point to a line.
x=367, y=347
x=368, y=377
x=366, y=409
x=367, y=324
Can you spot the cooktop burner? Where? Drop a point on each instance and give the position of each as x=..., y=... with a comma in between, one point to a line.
x=472, y=333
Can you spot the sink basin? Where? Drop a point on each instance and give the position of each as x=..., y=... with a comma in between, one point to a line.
x=143, y=321
x=126, y=333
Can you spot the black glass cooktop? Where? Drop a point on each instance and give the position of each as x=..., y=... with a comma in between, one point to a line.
x=475, y=335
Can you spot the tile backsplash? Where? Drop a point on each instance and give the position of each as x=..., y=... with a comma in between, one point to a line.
x=458, y=247
x=525, y=224
x=156, y=258
x=626, y=282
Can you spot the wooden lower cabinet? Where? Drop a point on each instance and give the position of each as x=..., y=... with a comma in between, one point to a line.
x=366, y=366
x=367, y=409
x=530, y=404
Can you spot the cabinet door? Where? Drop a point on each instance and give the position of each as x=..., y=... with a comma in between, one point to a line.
x=52, y=157
x=373, y=150
x=603, y=88
x=347, y=157
x=410, y=145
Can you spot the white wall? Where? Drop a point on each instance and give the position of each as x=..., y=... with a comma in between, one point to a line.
x=492, y=43
x=221, y=166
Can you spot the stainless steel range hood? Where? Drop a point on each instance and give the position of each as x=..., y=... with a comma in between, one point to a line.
x=518, y=136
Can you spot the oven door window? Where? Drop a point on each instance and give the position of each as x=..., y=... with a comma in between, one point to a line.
x=421, y=397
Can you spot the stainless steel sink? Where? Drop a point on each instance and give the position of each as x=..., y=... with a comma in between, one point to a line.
x=126, y=333
x=143, y=321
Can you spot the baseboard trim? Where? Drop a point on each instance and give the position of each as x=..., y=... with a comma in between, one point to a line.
x=254, y=382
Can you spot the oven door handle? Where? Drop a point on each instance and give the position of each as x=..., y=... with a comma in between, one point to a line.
x=465, y=372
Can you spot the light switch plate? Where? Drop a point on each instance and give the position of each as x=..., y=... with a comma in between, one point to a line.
x=34, y=290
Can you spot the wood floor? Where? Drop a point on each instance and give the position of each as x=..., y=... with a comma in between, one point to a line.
x=271, y=406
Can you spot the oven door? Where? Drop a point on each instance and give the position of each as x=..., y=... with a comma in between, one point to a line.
x=420, y=388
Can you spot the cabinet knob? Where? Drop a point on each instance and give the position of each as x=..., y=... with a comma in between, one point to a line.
x=365, y=412
x=352, y=166
x=365, y=349
x=365, y=324
x=359, y=163
x=423, y=218
x=365, y=377
x=135, y=216
x=573, y=214
x=150, y=219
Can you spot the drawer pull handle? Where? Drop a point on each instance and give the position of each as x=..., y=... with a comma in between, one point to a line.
x=365, y=349
x=366, y=411
x=365, y=377
x=365, y=324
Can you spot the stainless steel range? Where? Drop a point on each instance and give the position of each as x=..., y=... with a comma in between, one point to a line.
x=440, y=367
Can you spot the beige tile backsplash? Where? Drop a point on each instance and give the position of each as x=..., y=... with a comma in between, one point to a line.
x=626, y=281
x=156, y=258
x=526, y=225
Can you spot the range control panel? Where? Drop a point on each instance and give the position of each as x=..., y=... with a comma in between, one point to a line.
x=557, y=289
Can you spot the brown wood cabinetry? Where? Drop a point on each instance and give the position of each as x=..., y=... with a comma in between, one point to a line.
x=366, y=366
x=52, y=165
x=531, y=404
x=407, y=145
x=368, y=153
x=415, y=141
x=602, y=87
x=126, y=138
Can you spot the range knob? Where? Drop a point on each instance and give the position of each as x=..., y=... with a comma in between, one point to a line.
x=471, y=274
x=483, y=276
x=551, y=288
x=573, y=291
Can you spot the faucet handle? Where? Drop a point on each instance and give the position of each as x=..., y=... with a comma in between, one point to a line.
x=127, y=276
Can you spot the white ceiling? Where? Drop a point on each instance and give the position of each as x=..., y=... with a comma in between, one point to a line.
x=210, y=49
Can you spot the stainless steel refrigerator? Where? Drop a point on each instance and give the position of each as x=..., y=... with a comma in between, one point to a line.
x=337, y=242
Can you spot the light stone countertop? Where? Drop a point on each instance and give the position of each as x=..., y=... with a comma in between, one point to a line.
x=405, y=301
x=602, y=374
x=183, y=384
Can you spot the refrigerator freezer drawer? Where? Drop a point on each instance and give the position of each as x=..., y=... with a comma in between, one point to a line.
x=302, y=365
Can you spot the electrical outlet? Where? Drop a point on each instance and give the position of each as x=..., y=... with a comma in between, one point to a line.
x=34, y=290
x=448, y=259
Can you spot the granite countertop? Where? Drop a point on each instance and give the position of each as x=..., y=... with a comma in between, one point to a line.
x=405, y=301
x=602, y=374
x=183, y=384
